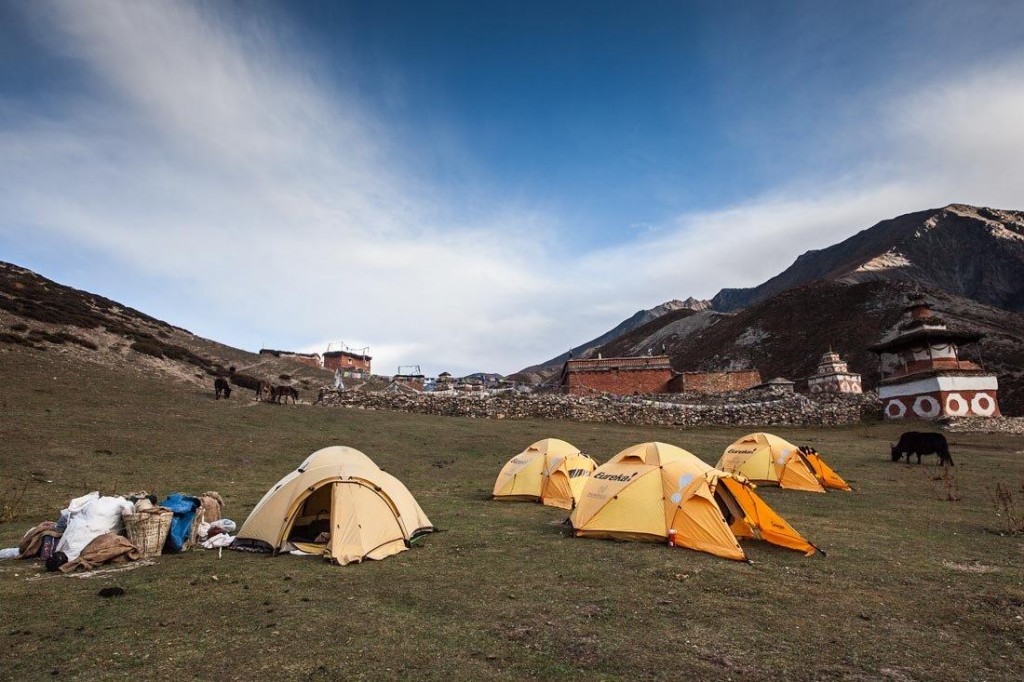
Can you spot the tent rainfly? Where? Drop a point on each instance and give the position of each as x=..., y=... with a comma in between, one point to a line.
x=826, y=476
x=549, y=471
x=767, y=459
x=340, y=505
x=657, y=492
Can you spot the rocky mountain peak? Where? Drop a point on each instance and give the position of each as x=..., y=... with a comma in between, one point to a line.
x=690, y=303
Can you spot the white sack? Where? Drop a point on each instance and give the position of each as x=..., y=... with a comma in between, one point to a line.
x=89, y=517
x=222, y=540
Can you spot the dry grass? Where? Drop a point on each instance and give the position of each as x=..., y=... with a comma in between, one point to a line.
x=1006, y=508
x=503, y=593
x=11, y=502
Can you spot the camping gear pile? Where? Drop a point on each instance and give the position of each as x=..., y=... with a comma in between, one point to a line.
x=338, y=505
x=94, y=530
x=660, y=492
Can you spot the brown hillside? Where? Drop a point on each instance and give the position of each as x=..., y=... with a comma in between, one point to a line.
x=46, y=317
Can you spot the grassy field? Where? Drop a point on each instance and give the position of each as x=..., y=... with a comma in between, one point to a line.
x=913, y=587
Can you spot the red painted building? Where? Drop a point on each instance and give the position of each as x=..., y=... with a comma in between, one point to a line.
x=621, y=376
x=347, y=360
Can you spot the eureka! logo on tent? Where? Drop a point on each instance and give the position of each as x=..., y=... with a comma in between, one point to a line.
x=623, y=478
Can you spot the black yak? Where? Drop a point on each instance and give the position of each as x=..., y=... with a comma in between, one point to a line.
x=922, y=443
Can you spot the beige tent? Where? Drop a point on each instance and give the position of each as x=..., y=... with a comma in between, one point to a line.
x=658, y=492
x=337, y=504
x=549, y=471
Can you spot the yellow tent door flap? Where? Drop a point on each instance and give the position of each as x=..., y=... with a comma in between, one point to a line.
x=796, y=475
x=557, y=491
x=363, y=525
x=699, y=525
x=764, y=521
x=825, y=474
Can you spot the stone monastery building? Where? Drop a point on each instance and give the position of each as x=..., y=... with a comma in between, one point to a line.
x=833, y=376
x=923, y=375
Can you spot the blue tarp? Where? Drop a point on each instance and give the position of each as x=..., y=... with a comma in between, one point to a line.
x=184, y=508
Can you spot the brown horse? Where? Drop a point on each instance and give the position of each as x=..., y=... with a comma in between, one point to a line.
x=222, y=387
x=280, y=394
x=264, y=390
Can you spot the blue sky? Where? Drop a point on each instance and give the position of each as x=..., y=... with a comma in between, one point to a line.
x=478, y=188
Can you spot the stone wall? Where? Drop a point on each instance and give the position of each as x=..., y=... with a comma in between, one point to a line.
x=343, y=360
x=986, y=425
x=735, y=409
x=715, y=382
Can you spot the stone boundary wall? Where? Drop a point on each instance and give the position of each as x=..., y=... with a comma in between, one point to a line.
x=986, y=425
x=741, y=409
x=715, y=382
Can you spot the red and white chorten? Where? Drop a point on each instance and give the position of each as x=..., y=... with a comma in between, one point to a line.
x=833, y=376
x=923, y=376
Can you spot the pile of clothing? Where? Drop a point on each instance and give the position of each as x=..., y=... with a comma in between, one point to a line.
x=91, y=530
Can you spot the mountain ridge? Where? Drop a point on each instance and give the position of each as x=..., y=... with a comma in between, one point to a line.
x=974, y=252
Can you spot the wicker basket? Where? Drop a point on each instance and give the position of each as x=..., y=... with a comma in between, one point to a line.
x=148, y=529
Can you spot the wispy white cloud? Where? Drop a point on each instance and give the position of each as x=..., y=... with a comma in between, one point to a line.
x=206, y=153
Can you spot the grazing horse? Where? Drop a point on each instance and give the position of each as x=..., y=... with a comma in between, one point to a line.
x=282, y=393
x=264, y=390
x=921, y=443
x=221, y=386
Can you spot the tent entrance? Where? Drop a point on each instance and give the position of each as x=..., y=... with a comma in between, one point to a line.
x=347, y=521
x=312, y=519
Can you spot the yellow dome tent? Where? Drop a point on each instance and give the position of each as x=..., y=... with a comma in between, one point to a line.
x=337, y=504
x=657, y=492
x=549, y=471
x=767, y=459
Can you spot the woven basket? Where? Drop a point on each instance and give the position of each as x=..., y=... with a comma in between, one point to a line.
x=148, y=529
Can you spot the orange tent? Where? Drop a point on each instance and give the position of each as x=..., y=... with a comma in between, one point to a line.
x=767, y=459
x=657, y=492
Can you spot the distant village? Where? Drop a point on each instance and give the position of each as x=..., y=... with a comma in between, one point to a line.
x=922, y=374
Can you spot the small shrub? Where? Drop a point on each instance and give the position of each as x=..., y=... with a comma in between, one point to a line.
x=42, y=335
x=946, y=484
x=284, y=377
x=1006, y=508
x=20, y=327
x=15, y=339
x=84, y=343
x=148, y=348
x=245, y=381
x=172, y=352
